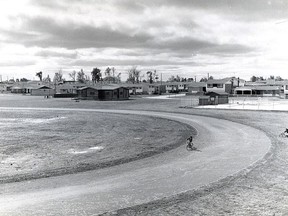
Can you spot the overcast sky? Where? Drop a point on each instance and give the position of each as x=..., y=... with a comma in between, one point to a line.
x=190, y=38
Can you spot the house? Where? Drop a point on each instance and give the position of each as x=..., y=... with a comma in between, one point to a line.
x=219, y=85
x=174, y=87
x=134, y=89
x=113, y=93
x=224, y=85
x=285, y=89
x=42, y=90
x=214, y=98
x=103, y=93
x=260, y=90
x=87, y=93
x=154, y=88
x=5, y=87
x=17, y=89
x=197, y=88
x=67, y=89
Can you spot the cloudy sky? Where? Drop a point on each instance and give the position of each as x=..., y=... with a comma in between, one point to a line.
x=185, y=37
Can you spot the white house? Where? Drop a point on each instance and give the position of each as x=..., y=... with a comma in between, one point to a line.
x=285, y=88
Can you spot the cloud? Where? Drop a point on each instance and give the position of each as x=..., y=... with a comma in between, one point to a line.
x=50, y=53
x=17, y=63
x=124, y=62
x=46, y=32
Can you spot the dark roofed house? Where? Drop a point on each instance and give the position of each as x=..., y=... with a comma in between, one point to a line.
x=42, y=90
x=214, y=98
x=103, y=93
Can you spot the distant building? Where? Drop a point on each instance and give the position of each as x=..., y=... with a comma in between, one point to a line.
x=224, y=85
x=103, y=93
x=214, y=98
x=260, y=90
x=198, y=88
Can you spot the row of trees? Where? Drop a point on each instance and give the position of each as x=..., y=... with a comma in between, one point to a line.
x=261, y=78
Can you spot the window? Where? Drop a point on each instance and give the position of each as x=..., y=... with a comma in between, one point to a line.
x=286, y=87
x=219, y=85
x=92, y=93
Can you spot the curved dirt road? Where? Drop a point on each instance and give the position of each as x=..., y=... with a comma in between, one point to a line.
x=224, y=149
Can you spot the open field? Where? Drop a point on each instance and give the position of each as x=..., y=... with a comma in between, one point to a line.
x=41, y=143
x=260, y=190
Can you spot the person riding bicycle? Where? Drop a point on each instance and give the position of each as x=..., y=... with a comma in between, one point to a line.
x=190, y=142
x=286, y=132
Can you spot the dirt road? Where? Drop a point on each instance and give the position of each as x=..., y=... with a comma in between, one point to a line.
x=142, y=181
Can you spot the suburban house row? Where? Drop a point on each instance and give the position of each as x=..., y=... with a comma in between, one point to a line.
x=231, y=86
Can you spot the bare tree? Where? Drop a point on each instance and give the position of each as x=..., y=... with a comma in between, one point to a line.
x=81, y=76
x=108, y=72
x=73, y=75
x=47, y=79
x=133, y=75
x=58, y=77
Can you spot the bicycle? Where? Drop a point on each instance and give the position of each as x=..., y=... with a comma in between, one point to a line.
x=283, y=134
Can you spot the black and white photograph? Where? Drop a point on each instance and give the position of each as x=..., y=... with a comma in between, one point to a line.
x=143, y=108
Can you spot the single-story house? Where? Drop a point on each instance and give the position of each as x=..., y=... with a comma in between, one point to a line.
x=17, y=89
x=214, y=98
x=113, y=93
x=68, y=89
x=42, y=91
x=103, y=93
x=87, y=93
x=261, y=90
x=285, y=88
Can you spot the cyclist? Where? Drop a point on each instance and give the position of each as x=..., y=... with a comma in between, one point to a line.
x=286, y=132
x=190, y=142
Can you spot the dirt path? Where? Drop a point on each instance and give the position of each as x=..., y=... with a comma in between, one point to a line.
x=142, y=181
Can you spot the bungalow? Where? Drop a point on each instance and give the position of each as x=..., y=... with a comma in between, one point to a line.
x=87, y=93
x=113, y=93
x=68, y=89
x=5, y=87
x=214, y=98
x=42, y=90
x=17, y=90
x=285, y=90
x=261, y=90
x=103, y=93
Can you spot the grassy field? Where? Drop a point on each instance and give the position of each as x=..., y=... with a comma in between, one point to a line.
x=259, y=190
x=40, y=143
